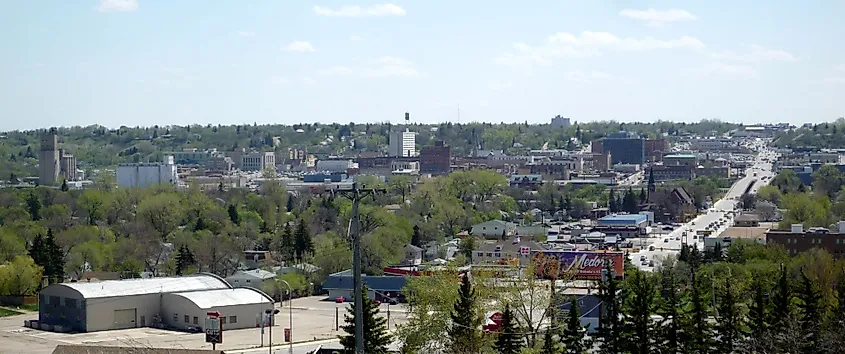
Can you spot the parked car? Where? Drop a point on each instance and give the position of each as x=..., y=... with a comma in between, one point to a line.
x=340, y=299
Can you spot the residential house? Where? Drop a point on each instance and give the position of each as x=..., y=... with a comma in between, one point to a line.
x=493, y=229
x=254, y=278
x=508, y=252
x=413, y=255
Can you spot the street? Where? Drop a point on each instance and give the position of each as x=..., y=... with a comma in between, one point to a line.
x=670, y=243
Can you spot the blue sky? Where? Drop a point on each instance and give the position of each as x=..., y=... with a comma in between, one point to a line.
x=146, y=62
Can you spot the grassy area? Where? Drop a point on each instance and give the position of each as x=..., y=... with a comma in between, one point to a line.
x=33, y=307
x=6, y=312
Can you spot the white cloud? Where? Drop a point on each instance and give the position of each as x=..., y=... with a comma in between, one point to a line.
x=309, y=81
x=246, y=34
x=117, y=5
x=354, y=38
x=755, y=54
x=589, y=44
x=718, y=68
x=587, y=76
x=358, y=11
x=379, y=68
x=299, y=46
x=279, y=80
x=656, y=18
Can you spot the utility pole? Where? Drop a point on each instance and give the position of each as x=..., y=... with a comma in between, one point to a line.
x=355, y=194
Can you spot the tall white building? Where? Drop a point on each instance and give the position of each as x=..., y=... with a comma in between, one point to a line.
x=258, y=161
x=140, y=175
x=402, y=144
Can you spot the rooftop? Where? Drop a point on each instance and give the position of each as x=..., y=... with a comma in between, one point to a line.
x=226, y=297
x=111, y=288
x=624, y=217
x=679, y=156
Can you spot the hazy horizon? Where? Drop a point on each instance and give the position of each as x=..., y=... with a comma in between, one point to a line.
x=157, y=62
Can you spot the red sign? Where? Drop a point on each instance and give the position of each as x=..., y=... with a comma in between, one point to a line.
x=586, y=265
x=497, y=317
x=287, y=335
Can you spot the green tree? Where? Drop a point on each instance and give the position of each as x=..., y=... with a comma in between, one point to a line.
x=810, y=312
x=509, y=339
x=184, y=259
x=463, y=332
x=781, y=302
x=758, y=313
x=639, y=305
x=38, y=251
x=698, y=331
x=33, y=205
x=162, y=212
x=827, y=180
x=467, y=247
x=730, y=320
x=574, y=336
x=302, y=243
x=55, y=267
x=612, y=203
x=611, y=328
x=64, y=187
x=93, y=204
x=20, y=277
x=671, y=331
x=416, y=238
x=550, y=345
x=233, y=214
x=376, y=337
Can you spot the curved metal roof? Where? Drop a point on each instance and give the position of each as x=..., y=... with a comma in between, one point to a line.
x=226, y=297
x=129, y=287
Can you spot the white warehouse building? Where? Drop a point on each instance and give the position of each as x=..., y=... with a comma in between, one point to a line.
x=170, y=302
x=140, y=175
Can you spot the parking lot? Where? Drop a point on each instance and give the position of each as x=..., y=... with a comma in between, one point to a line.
x=313, y=319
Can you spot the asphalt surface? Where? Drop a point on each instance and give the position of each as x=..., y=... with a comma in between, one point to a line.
x=670, y=244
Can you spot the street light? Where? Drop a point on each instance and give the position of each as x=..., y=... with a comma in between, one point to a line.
x=270, y=313
x=290, y=317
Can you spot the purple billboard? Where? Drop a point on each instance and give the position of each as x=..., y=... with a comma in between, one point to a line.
x=586, y=264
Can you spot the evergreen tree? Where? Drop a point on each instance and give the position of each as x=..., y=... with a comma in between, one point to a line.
x=683, y=256
x=233, y=214
x=509, y=340
x=574, y=336
x=376, y=338
x=416, y=238
x=220, y=187
x=55, y=267
x=730, y=325
x=757, y=313
x=184, y=258
x=810, y=310
x=695, y=257
x=610, y=329
x=639, y=306
x=611, y=202
x=302, y=243
x=64, y=187
x=550, y=346
x=698, y=332
x=670, y=329
x=285, y=246
x=718, y=254
x=38, y=251
x=464, y=336
x=642, y=196
x=33, y=205
x=289, y=205
x=630, y=202
x=781, y=302
x=200, y=224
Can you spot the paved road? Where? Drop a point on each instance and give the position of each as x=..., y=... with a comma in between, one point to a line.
x=670, y=243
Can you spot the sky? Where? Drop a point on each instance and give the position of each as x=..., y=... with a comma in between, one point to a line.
x=166, y=62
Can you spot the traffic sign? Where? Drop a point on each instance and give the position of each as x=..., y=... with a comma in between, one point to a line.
x=213, y=330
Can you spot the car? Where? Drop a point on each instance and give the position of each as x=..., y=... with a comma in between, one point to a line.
x=644, y=263
x=651, y=248
x=340, y=299
x=665, y=240
x=642, y=258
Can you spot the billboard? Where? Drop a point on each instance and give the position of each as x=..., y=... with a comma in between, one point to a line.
x=586, y=264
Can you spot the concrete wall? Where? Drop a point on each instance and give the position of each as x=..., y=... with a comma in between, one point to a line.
x=143, y=175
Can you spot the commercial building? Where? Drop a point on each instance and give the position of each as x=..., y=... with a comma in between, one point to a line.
x=664, y=173
x=436, y=160
x=561, y=122
x=625, y=147
x=402, y=144
x=655, y=148
x=334, y=165
x=218, y=164
x=140, y=175
x=258, y=161
x=508, y=252
x=341, y=285
x=797, y=239
x=688, y=160
x=170, y=302
x=48, y=158
x=624, y=220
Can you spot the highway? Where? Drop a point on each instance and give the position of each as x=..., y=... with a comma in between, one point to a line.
x=670, y=243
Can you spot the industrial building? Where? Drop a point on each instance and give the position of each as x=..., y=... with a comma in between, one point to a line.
x=140, y=175
x=48, y=158
x=341, y=285
x=625, y=220
x=168, y=302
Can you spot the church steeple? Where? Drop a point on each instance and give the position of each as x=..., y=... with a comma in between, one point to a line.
x=651, y=186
